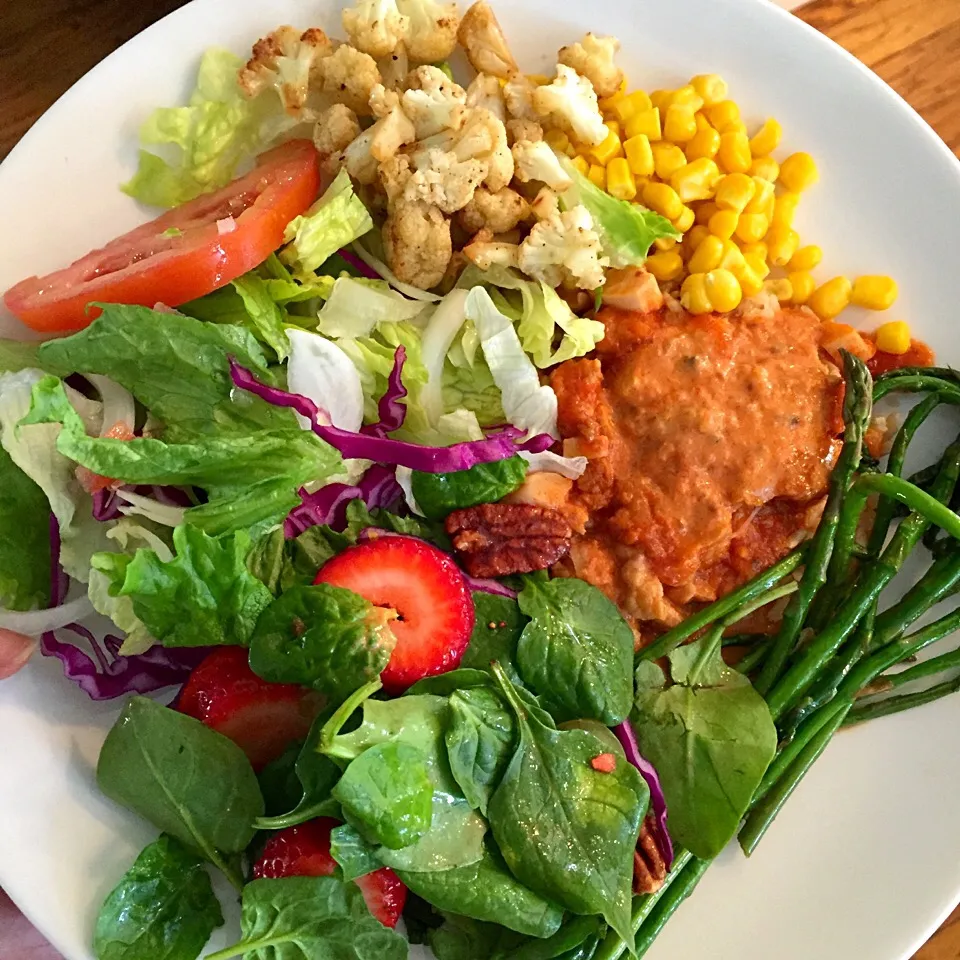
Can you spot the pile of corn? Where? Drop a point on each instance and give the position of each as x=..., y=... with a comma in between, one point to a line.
x=687, y=155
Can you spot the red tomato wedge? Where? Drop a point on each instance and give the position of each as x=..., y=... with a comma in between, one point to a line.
x=153, y=264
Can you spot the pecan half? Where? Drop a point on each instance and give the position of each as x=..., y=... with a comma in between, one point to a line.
x=497, y=539
x=649, y=868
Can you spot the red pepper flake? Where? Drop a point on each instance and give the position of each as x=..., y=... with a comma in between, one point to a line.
x=604, y=763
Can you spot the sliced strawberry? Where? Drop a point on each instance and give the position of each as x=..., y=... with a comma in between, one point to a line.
x=261, y=718
x=304, y=851
x=426, y=589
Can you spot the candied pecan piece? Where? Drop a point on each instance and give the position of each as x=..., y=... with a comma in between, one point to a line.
x=649, y=868
x=497, y=539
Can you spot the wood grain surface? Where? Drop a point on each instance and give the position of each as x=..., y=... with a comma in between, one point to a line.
x=46, y=45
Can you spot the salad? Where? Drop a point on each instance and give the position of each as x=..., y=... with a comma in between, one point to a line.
x=486, y=515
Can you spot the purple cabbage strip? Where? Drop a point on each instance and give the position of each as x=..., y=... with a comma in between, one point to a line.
x=110, y=675
x=390, y=410
x=658, y=803
x=106, y=505
x=460, y=456
x=364, y=269
x=490, y=586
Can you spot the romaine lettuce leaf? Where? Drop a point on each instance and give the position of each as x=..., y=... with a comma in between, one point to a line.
x=24, y=539
x=355, y=308
x=18, y=355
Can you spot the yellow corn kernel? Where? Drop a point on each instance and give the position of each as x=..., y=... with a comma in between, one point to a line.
x=734, y=154
x=557, y=139
x=723, y=223
x=766, y=139
x=539, y=79
x=628, y=106
x=641, y=182
x=752, y=227
x=693, y=294
x=620, y=180
x=606, y=150
x=646, y=122
x=607, y=104
x=782, y=243
x=705, y=211
x=639, y=155
x=703, y=144
x=764, y=199
x=750, y=282
x=760, y=267
x=694, y=237
x=664, y=199
x=806, y=258
x=723, y=290
x=613, y=126
x=665, y=266
x=661, y=99
x=686, y=96
x=735, y=191
x=722, y=114
x=830, y=299
x=732, y=256
x=707, y=256
x=756, y=249
x=893, y=337
x=680, y=123
x=710, y=87
x=766, y=168
x=802, y=284
x=798, y=172
x=781, y=288
x=668, y=158
x=685, y=221
x=598, y=176
x=695, y=180
x=581, y=165
x=664, y=243
x=874, y=293
x=785, y=209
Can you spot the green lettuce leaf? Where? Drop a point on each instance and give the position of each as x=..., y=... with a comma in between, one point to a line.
x=24, y=539
x=18, y=355
x=265, y=318
x=356, y=306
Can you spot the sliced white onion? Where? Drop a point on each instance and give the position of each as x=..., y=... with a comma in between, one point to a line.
x=440, y=333
x=117, y=402
x=35, y=622
x=549, y=462
x=15, y=650
x=319, y=370
x=414, y=293
x=405, y=479
x=165, y=514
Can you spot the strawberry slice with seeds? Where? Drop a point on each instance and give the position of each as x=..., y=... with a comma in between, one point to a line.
x=262, y=718
x=304, y=851
x=426, y=589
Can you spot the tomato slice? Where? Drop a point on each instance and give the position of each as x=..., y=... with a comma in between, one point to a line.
x=184, y=253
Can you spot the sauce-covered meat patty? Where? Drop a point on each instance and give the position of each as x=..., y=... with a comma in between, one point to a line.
x=710, y=441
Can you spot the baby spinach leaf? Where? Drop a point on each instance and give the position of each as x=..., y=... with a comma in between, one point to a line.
x=479, y=742
x=438, y=494
x=186, y=779
x=577, y=651
x=461, y=938
x=496, y=630
x=279, y=783
x=323, y=637
x=304, y=556
x=310, y=918
x=486, y=890
x=164, y=908
x=387, y=793
x=355, y=856
x=266, y=558
x=24, y=539
x=566, y=830
x=711, y=744
x=443, y=684
x=455, y=838
x=203, y=596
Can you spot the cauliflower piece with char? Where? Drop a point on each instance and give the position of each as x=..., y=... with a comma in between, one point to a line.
x=432, y=32
x=592, y=58
x=375, y=26
x=483, y=41
x=417, y=244
x=518, y=130
x=572, y=101
x=336, y=128
x=518, y=96
x=286, y=60
x=433, y=102
x=484, y=137
x=564, y=249
x=485, y=252
x=497, y=212
x=394, y=68
x=443, y=181
x=545, y=205
x=361, y=164
x=393, y=128
x=485, y=91
x=537, y=161
x=350, y=76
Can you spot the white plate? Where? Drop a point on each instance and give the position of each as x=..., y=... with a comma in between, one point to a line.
x=864, y=860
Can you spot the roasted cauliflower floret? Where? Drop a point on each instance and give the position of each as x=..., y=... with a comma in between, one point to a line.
x=443, y=181
x=432, y=34
x=375, y=26
x=545, y=204
x=361, y=164
x=592, y=58
x=536, y=161
x=285, y=60
x=484, y=137
x=518, y=96
x=518, y=130
x=394, y=175
x=564, y=249
x=485, y=252
x=485, y=91
x=417, y=244
x=483, y=41
x=393, y=128
x=433, y=102
x=350, y=76
x=394, y=68
x=335, y=129
x=571, y=100
x=497, y=212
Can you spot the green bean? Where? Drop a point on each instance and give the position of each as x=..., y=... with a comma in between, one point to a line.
x=912, y=496
x=754, y=657
x=751, y=640
x=929, y=668
x=917, y=383
x=665, y=908
x=857, y=408
x=945, y=374
x=890, y=705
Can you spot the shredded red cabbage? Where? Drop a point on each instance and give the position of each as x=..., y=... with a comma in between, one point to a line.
x=658, y=803
x=109, y=675
x=460, y=456
x=490, y=586
x=364, y=269
x=390, y=410
x=106, y=503
x=378, y=488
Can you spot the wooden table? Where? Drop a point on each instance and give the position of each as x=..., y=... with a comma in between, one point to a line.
x=45, y=45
